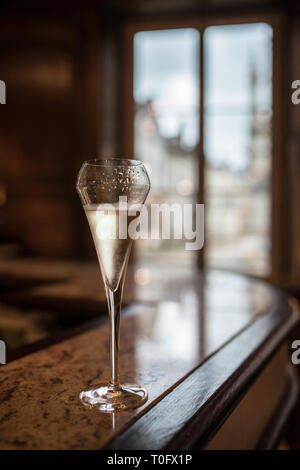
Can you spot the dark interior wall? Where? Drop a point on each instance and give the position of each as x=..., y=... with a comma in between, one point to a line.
x=49, y=124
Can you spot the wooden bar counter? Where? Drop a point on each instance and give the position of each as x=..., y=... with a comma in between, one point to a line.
x=210, y=349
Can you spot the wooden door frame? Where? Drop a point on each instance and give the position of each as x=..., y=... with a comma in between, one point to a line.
x=277, y=20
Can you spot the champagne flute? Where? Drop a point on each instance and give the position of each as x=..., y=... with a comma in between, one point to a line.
x=101, y=185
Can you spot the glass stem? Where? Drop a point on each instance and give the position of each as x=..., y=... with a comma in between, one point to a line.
x=114, y=307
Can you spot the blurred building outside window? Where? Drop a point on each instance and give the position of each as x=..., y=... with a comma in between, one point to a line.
x=237, y=140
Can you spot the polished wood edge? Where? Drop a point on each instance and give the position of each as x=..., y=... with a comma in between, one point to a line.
x=273, y=431
x=194, y=410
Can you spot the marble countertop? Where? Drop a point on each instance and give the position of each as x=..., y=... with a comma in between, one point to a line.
x=161, y=344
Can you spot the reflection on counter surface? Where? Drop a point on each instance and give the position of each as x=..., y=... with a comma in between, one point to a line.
x=76, y=294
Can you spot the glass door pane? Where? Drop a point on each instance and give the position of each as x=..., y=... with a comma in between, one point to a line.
x=166, y=132
x=237, y=146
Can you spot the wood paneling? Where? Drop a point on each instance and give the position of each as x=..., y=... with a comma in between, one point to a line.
x=48, y=126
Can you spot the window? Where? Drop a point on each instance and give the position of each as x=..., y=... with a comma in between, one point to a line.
x=237, y=146
x=206, y=136
x=166, y=129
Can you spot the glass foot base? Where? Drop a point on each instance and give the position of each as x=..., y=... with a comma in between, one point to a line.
x=106, y=399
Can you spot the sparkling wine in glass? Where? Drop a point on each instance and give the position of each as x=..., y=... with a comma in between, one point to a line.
x=112, y=193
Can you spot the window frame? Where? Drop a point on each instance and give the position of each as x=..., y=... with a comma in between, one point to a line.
x=277, y=20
